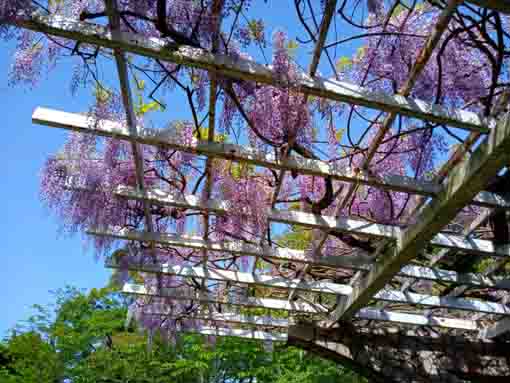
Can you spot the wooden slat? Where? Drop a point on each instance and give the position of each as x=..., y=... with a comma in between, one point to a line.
x=80, y=123
x=450, y=276
x=417, y=319
x=76, y=122
x=350, y=225
x=238, y=333
x=358, y=262
x=396, y=296
x=229, y=317
x=249, y=70
x=469, y=245
x=347, y=225
x=238, y=248
x=238, y=277
x=364, y=314
x=393, y=296
x=491, y=200
x=268, y=303
x=467, y=179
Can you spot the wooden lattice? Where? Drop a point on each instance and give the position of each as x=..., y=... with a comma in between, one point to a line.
x=432, y=336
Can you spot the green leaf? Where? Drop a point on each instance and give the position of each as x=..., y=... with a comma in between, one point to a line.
x=343, y=63
x=339, y=134
x=150, y=107
x=292, y=47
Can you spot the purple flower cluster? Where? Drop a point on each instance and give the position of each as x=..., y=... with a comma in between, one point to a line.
x=280, y=115
x=249, y=196
x=458, y=75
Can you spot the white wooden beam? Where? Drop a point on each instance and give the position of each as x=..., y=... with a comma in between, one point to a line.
x=491, y=200
x=364, y=314
x=238, y=248
x=237, y=277
x=228, y=317
x=342, y=224
x=80, y=123
x=277, y=304
x=450, y=276
x=200, y=296
x=358, y=262
x=237, y=333
x=349, y=225
x=397, y=296
x=249, y=70
x=417, y=319
x=469, y=245
x=468, y=178
x=393, y=296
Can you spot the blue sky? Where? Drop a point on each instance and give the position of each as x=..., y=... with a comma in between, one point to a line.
x=35, y=257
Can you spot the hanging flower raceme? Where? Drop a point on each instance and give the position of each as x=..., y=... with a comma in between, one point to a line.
x=248, y=193
x=456, y=74
x=280, y=115
x=409, y=153
x=80, y=184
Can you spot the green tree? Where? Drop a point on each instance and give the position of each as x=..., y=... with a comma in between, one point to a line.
x=28, y=358
x=82, y=339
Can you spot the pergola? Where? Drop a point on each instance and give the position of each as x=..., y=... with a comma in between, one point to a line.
x=467, y=340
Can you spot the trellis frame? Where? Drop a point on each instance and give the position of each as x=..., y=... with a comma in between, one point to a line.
x=462, y=187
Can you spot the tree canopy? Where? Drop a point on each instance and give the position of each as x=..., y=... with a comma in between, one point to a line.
x=82, y=339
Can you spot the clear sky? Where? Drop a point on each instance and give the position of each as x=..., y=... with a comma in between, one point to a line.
x=34, y=257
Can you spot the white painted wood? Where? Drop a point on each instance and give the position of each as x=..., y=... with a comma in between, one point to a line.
x=469, y=245
x=450, y=276
x=239, y=277
x=231, y=317
x=364, y=314
x=491, y=200
x=237, y=248
x=245, y=69
x=268, y=303
x=397, y=296
x=292, y=217
x=468, y=178
x=394, y=296
x=238, y=333
x=357, y=262
x=328, y=223
x=417, y=319
x=83, y=124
